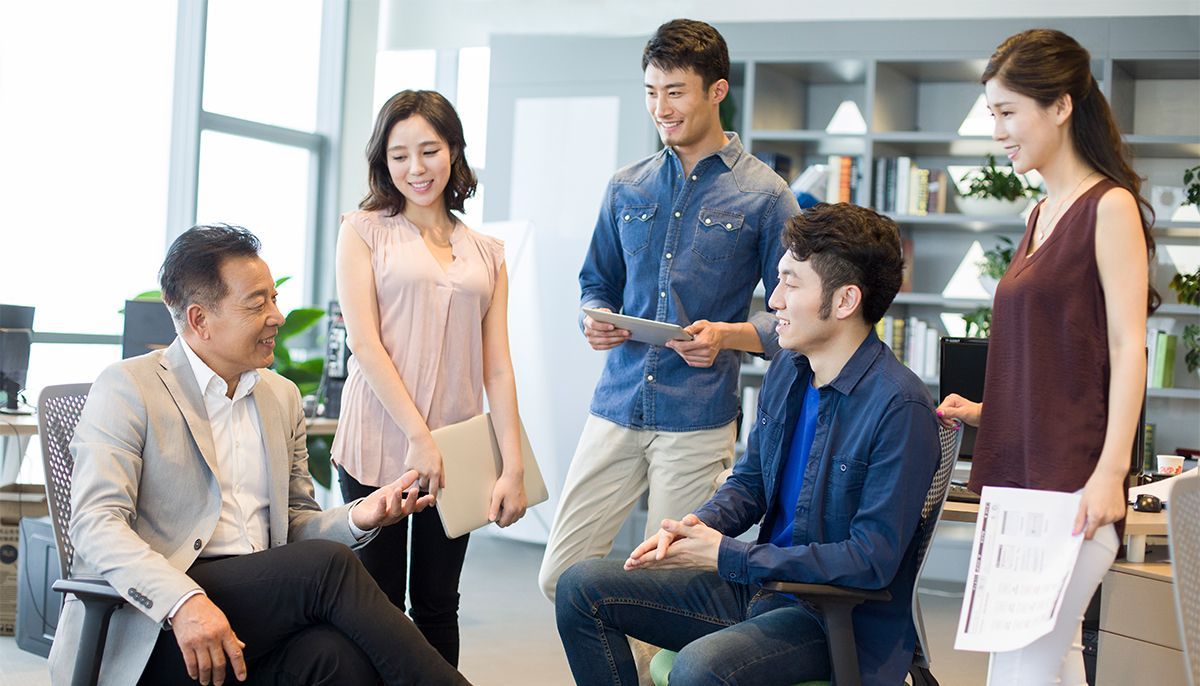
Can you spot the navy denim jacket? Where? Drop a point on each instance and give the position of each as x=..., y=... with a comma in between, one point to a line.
x=676, y=249
x=873, y=457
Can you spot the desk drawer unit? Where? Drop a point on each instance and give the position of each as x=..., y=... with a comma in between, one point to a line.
x=1139, y=634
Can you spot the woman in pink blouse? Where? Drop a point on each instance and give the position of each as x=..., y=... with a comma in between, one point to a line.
x=425, y=301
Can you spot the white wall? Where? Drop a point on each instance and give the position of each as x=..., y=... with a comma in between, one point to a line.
x=457, y=23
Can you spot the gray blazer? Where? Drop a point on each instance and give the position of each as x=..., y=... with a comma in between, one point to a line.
x=145, y=498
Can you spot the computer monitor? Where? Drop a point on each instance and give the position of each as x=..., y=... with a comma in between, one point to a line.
x=148, y=326
x=964, y=362
x=16, y=338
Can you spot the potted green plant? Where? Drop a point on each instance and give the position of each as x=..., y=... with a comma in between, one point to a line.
x=979, y=322
x=995, y=263
x=1187, y=291
x=1191, y=179
x=994, y=191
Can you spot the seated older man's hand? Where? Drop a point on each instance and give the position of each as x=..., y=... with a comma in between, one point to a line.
x=391, y=503
x=205, y=638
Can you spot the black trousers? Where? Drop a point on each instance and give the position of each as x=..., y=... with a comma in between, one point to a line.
x=431, y=580
x=309, y=614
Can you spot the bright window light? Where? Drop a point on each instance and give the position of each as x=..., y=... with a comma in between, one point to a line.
x=85, y=139
x=397, y=70
x=263, y=187
x=262, y=59
x=472, y=101
x=847, y=119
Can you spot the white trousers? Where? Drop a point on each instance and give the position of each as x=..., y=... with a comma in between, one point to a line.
x=611, y=469
x=1057, y=657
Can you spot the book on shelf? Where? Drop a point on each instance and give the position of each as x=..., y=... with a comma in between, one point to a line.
x=843, y=178
x=913, y=341
x=901, y=187
x=1148, y=447
x=1163, y=375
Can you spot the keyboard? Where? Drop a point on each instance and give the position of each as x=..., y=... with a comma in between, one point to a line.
x=959, y=493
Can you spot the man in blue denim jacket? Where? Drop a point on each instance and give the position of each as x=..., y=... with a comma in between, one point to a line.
x=841, y=456
x=683, y=236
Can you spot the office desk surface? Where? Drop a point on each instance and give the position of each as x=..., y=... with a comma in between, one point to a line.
x=1138, y=525
x=18, y=425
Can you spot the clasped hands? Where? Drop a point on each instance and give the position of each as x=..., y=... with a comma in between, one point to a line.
x=686, y=543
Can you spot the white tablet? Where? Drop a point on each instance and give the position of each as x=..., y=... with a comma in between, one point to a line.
x=641, y=330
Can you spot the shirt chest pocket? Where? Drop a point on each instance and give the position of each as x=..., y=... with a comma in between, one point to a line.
x=844, y=488
x=635, y=223
x=717, y=233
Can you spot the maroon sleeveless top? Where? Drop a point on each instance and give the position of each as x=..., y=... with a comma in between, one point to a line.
x=1045, y=395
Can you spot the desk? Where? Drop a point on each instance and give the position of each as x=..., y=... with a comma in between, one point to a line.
x=1138, y=525
x=15, y=432
x=1139, y=630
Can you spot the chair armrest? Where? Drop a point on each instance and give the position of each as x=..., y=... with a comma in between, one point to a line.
x=825, y=591
x=90, y=588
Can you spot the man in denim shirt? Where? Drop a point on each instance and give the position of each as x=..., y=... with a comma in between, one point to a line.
x=840, y=459
x=683, y=236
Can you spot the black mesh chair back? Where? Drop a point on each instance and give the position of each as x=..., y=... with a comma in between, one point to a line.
x=59, y=408
x=1183, y=526
x=950, y=440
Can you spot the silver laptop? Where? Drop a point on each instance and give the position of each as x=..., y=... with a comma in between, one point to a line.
x=472, y=463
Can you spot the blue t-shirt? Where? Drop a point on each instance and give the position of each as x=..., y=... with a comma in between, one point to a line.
x=792, y=476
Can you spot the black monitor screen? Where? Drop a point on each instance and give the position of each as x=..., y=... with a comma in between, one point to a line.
x=148, y=326
x=964, y=361
x=16, y=338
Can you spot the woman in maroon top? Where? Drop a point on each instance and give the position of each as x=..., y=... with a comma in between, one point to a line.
x=1066, y=361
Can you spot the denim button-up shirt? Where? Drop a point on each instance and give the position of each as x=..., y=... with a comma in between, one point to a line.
x=872, y=459
x=676, y=248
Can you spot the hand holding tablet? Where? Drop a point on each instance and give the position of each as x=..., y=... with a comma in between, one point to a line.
x=641, y=330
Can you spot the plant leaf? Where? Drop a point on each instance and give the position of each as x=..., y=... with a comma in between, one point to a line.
x=298, y=321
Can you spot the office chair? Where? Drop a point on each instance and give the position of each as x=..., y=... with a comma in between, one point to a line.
x=837, y=603
x=59, y=408
x=1183, y=530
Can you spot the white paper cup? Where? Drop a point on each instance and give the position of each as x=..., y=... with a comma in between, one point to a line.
x=1170, y=464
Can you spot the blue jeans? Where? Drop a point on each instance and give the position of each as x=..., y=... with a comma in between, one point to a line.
x=725, y=632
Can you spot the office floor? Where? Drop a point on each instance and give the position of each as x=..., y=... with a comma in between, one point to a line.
x=508, y=632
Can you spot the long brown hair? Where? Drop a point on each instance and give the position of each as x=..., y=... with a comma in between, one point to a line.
x=1045, y=64
x=433, y=106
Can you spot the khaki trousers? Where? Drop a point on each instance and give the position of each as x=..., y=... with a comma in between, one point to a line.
x=611, y=469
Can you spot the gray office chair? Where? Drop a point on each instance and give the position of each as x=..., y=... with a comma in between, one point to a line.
x=59, y=408
x=1183, y=529
x=837, y=603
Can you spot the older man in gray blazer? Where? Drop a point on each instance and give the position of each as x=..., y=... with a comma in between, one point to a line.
x=191, y=496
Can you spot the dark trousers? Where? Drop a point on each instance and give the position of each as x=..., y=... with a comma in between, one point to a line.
x=431, y=580
x=309, y=614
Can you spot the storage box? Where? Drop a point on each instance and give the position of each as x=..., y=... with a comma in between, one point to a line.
x=16, y=501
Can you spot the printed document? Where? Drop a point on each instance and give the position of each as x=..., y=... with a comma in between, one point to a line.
x=1021, y=561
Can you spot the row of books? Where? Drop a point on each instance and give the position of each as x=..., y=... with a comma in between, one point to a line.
x=902, y=187
x=1160, y=359
x=914, y=342
x=842, y=182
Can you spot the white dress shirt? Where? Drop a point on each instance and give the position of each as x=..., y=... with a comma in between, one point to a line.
x=245, y=520
x=244, y=524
